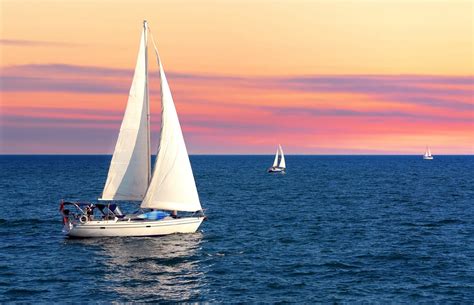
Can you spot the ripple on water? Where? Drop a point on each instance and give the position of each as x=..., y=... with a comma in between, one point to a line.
x=332, y=230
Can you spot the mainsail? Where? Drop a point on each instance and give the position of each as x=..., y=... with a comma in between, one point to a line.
x=282, y=161
x=275, y=162
x=172, y=186
x=129, y=171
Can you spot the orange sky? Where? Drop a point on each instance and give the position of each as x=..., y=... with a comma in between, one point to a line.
x=318, y=76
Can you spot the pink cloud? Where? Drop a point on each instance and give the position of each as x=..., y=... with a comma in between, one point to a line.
x=223, y=114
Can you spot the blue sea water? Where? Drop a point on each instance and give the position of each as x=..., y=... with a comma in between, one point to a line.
x=333, y=229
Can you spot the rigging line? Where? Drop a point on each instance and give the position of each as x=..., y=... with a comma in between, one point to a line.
x=154, y=45
x=160, y=65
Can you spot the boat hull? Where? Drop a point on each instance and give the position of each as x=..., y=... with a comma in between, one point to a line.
x=276, y=170
x=427, y=158
x=111, y=228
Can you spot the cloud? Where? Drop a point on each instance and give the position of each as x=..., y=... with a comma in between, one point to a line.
x=78, y=79
x=380, y=85
x=382, y=115
x=65, y=69
x=368, y=84
x=446, y=92
x=98, y=71
x=38, y=84
x=36, y=43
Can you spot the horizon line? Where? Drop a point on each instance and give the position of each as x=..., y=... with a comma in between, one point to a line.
x=230, y=154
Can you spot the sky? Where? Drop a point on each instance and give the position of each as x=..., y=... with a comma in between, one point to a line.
x=319, y=77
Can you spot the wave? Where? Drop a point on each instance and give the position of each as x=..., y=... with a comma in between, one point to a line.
x=165, y=261
x=20, y=292
x=434, y=223
x=339, y=265
x=28, y=221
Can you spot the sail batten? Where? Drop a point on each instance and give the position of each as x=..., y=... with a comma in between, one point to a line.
x=129, y=170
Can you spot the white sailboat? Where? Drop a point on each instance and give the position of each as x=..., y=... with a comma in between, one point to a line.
x=427, y=155
x=170, y=187
x=279, y=165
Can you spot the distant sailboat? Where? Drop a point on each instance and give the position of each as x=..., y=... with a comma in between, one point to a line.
x=279, y=165
x=427, y=155
x=171, y=186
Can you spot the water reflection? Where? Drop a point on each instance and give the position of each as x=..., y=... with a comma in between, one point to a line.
x=152, y=268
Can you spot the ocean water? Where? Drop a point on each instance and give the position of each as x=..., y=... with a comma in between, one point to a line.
x=333, y=229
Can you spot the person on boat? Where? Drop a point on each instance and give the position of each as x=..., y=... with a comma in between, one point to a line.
x=90, y=212
x=65, y=216
x=174, y=214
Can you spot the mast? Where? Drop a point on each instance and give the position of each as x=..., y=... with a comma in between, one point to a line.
x=147, y=101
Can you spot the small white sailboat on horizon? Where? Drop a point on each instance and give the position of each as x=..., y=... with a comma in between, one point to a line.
x=169, y=189
x=279, y=164
x=427, y=155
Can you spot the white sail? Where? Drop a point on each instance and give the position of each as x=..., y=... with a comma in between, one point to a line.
x=129, y=169
x=275, y=162
x=429, y=152
x=282, y=160
x=172, y=186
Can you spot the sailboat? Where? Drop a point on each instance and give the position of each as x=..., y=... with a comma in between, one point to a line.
x=169, y=189
x=279, y=165
x=427, y=155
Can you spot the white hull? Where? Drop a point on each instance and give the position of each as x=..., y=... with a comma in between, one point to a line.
x=427, y=158
x=110, y=228
x=276, y=170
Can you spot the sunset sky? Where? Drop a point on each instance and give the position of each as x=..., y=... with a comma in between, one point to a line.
x=319, y=77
